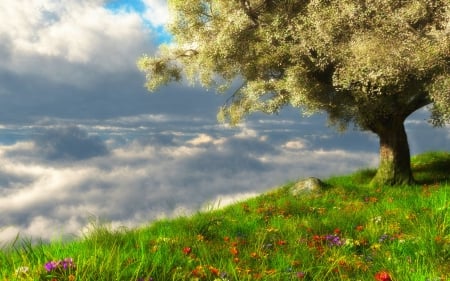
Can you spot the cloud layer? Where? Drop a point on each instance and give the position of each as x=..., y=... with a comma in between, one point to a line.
x=144, y=178
x=57, y=179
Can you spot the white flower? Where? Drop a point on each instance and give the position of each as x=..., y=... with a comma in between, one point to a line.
x=377, y=219
x=22, y=270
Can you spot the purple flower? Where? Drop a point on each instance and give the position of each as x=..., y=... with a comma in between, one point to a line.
x=51, y=265
x=383, y=238
x=67, y=263
x=59, y=265
x=334, y=240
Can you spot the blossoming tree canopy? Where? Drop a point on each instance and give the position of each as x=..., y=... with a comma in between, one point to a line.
x=367, y=62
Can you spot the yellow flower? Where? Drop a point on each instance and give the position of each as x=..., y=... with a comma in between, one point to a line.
x=376, y=246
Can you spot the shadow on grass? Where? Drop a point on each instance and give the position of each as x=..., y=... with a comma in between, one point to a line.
x=431, y=167
x=427, y=168
x=364, y=176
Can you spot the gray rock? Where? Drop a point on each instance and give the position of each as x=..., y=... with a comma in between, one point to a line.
x=308, y=185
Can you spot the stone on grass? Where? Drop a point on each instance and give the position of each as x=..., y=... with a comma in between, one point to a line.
x=307, y=186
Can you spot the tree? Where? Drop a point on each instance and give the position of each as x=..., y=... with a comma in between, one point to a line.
x=370, y=63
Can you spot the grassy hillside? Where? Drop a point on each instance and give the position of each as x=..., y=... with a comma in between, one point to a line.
x=349, y=231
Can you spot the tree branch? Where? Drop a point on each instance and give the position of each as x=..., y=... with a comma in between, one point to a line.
x=186, y=53
x=249, y=11
x=418, y=101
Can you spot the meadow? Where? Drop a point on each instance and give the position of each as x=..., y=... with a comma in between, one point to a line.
x=348, y=231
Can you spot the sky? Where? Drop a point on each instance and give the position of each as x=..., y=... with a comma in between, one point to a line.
x=82, y=141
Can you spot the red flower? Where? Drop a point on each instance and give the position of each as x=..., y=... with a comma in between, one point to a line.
x=234, y=251
x=281, y=242
x=187, y=250
x=383, y=276
x=214, y=271
x=198, y=272
x=317, y=238
x=254, y=255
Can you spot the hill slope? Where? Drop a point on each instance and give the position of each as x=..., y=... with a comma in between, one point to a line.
x=349, y=231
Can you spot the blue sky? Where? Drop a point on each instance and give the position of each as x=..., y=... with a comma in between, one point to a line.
x=81, y=137
x=127, y=5
x=151, y=15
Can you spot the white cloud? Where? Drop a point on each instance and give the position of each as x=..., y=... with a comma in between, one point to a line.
x=138, y=182
x=222, y=201
x=42, y=226
x=295, y=144
x=18, y=146
x=157, y=12
x=246, y=132
x=142, y=118
x=8, y=234
x=72, y=31
x=164, y=169
x=46, y=186
x=201, y=139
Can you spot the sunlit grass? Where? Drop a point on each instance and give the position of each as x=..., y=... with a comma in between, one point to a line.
x=350, y=231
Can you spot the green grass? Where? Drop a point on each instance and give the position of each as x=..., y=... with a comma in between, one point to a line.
x=348, y=232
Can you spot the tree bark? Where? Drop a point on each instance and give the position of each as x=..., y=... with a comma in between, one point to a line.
x=395, y=159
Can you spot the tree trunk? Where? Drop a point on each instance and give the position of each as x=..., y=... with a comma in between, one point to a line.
x=395, y=159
